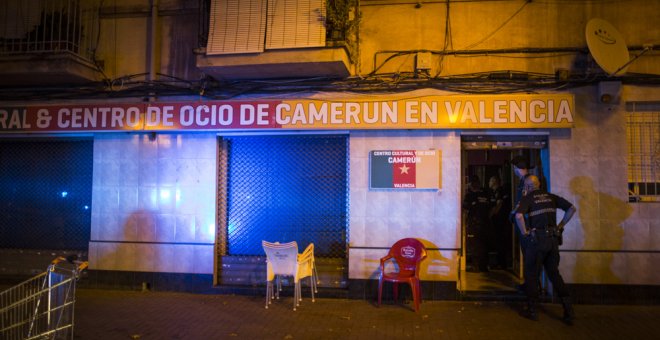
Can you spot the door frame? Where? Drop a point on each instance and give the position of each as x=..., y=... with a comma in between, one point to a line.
x=499, y=140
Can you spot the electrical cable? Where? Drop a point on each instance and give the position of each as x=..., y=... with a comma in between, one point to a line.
x=447, y=42
x=499, y=27
x=106, y=79
x=498, y=81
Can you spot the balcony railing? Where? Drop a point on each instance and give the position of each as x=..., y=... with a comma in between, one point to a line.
x=49, y=26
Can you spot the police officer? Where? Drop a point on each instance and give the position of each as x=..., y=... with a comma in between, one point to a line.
x=541, y=238
x=477, y=205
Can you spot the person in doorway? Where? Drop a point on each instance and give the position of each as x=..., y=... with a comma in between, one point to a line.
x=521, y=169
x=477, y=205
x=541, y=239
x=500, y=203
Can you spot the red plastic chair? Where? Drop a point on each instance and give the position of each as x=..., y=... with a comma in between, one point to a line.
x=408, y=253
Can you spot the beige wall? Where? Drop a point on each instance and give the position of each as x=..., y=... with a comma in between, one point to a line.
x=605, y=243
x=483, y=25
x=378, y=218
x=154, y=203
x=610, y=240
x=398, y=26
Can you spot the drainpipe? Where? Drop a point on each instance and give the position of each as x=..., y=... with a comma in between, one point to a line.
x=153, y=36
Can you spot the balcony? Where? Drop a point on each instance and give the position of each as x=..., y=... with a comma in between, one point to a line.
x=328, y=62
x=47, y=42
x=267, y=39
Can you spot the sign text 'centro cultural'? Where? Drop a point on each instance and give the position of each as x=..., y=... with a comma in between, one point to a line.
x=430, y=112
x=405, y=169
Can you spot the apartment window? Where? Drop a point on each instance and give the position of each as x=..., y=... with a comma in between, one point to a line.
x=252, y=26
x=643, y=134
x=295, y=24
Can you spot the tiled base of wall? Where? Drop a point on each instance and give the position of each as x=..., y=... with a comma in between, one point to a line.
x=123, y=280
x=203, y=284
x=431, y=290
x=189, y=283
x=615, y=294
x=357, y=289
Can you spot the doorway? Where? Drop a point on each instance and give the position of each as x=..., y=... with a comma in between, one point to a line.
x=486, y=159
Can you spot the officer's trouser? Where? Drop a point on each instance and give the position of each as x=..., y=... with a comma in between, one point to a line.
x=542, y=251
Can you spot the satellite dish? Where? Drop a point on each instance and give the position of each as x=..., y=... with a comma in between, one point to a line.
x=607, y=46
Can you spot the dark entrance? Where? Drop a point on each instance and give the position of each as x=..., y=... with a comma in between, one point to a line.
x=484, y=157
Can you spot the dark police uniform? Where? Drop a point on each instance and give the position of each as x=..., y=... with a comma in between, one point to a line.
x=541, y=244
x=477, y=204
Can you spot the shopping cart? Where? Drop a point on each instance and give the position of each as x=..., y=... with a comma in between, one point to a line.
x=42, y=307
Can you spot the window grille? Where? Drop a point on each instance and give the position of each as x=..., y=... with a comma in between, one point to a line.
x=643, y=135
x=286, y=188
x=45, y=194
x=49, y=26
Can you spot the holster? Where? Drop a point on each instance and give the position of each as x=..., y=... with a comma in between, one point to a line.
x=559, y=234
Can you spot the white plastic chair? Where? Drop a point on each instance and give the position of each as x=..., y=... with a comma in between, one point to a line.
x=281, y=260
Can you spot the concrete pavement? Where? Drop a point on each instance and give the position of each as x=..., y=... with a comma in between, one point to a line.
x=112, y=314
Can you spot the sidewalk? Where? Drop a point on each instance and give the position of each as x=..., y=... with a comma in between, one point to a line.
x=111, y=314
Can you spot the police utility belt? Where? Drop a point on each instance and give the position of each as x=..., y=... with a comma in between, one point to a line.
x=547, y=232
x=553, y=231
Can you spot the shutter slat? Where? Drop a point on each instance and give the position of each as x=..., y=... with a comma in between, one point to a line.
x=236, y=26
x=295, y=24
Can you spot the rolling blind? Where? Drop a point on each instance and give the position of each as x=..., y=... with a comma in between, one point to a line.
x=295, y=24
x=236, y=26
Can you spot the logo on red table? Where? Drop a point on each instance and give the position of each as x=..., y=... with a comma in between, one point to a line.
x=408, y=252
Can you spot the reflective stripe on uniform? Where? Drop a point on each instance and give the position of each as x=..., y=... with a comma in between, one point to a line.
x=542, y=211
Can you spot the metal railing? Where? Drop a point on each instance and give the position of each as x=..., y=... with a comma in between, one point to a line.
x=49, y=26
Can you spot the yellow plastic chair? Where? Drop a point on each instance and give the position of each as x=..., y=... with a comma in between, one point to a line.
x=307, y=268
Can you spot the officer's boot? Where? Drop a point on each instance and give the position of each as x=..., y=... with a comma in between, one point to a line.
x=569, y=313
x=530, y=311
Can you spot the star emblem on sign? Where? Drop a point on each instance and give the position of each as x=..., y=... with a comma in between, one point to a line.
x=404, y=169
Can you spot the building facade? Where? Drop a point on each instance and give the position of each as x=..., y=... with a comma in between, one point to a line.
x=174, y=95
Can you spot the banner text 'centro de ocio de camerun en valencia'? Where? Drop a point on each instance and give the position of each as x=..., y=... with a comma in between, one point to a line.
x=428, y=112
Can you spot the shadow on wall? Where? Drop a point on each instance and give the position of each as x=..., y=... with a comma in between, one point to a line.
x=601, y=216
x=142, y=225
x=125, y=255
x=436, y=267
